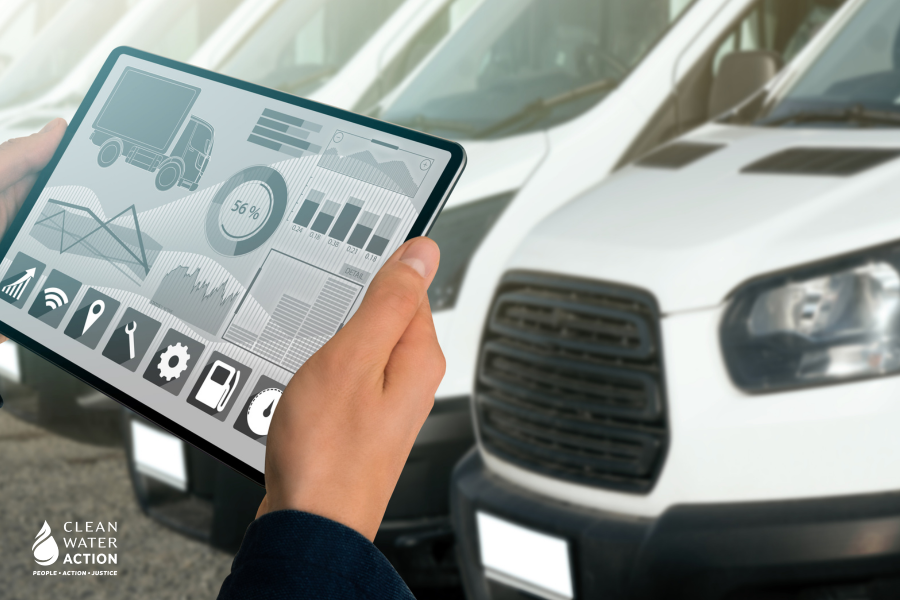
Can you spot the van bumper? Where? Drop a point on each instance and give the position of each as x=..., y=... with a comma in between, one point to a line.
x=762, y=549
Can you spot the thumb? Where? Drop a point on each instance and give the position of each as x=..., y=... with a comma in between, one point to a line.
x=391, y=302
x=21, y=157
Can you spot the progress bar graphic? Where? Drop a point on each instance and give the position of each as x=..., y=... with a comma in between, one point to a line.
x=283, y=133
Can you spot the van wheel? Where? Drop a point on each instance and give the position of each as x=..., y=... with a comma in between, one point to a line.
x=167, y=176
x=109, y=153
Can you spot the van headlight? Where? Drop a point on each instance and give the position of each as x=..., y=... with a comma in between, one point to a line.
x=458, y=232
x=816, y=325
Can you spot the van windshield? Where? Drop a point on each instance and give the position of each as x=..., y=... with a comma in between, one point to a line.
x=522, y=65
x=855, y=81
x=59, y=47
x=301, y=44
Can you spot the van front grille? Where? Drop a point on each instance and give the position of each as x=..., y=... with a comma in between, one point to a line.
x=570, y=381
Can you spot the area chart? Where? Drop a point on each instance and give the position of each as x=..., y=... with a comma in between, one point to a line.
x=376, y=162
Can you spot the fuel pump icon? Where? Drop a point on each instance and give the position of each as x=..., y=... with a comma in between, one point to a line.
x=219, y=386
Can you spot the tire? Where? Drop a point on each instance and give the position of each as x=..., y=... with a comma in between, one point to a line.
x=167, y=176
x=109, y=153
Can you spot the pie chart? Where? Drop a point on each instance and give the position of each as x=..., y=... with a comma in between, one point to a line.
x=246, y=211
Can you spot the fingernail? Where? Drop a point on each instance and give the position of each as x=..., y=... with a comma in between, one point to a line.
x=421, y=256
x=51, y=125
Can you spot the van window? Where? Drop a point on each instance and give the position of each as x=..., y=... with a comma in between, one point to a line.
x=445, y=22
x=522, y=65
x=301, y=44
x=855, y=81
x=780, y=26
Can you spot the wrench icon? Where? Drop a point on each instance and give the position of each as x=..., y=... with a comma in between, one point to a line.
x=129, y=329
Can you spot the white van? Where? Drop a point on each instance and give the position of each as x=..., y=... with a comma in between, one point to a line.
x=548, y=98
x=684, y=385
x=294, y=46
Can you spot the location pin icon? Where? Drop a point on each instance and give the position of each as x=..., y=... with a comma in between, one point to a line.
x=94, y=313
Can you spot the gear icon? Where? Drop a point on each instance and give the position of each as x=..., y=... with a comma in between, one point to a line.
x=177, y=354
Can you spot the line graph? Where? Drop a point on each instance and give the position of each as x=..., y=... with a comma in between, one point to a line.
x=69, y=228
x=376, y=162
x=182, y=293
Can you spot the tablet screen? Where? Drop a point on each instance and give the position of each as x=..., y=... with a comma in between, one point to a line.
x=196, y=243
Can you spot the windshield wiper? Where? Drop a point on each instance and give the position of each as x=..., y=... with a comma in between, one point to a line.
x=542, y=105
x=853, y=114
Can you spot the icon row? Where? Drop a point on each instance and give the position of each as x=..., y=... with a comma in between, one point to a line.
x=221, y=380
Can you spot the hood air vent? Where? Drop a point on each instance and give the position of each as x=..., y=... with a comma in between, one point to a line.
x=678, y=155
x=835, y=162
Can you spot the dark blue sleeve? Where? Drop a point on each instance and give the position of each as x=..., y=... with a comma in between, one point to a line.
x=292, y=555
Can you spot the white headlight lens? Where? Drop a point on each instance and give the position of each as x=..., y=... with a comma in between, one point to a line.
x=815, y=330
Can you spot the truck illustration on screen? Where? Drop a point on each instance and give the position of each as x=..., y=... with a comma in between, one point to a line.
x=140, y=120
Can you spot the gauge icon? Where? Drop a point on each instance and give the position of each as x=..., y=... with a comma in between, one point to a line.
x=261, y=409
x=246, y=211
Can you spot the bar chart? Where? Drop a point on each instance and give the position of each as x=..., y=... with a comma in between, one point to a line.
x=343, y=218
x=283, y=133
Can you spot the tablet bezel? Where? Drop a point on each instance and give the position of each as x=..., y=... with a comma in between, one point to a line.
x=422, y=225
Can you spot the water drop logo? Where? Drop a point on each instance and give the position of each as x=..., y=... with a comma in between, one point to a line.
x=45, y=549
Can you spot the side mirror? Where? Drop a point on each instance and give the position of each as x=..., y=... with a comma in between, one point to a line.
x=207, y=146
x=740, y=75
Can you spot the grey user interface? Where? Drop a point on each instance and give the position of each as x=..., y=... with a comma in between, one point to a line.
x=197, y=243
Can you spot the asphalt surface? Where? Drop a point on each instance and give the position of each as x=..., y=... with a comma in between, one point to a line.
x=45, y=477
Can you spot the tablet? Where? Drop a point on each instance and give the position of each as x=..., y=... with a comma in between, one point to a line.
x=196, y=238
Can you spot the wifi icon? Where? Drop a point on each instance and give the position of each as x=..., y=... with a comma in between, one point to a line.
x=58, y=292
x=54, y=298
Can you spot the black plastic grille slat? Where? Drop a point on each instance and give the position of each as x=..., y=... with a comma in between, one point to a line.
x=678, y=155
x=840, y=162
x=570, y=381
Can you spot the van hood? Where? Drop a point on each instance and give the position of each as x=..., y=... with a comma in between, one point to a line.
x=690, y=235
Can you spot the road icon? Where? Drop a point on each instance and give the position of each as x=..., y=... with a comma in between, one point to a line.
x=257, y=414
x=128, y=349
x=219, y=384
x=91, y=318
x=51, y=305
x=172, y=363
x=22, y=276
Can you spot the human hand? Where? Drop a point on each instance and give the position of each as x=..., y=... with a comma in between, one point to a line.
x=346, y=422
x=21, y=160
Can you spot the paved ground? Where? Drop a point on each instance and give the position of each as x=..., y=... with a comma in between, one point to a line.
x=47, y=477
